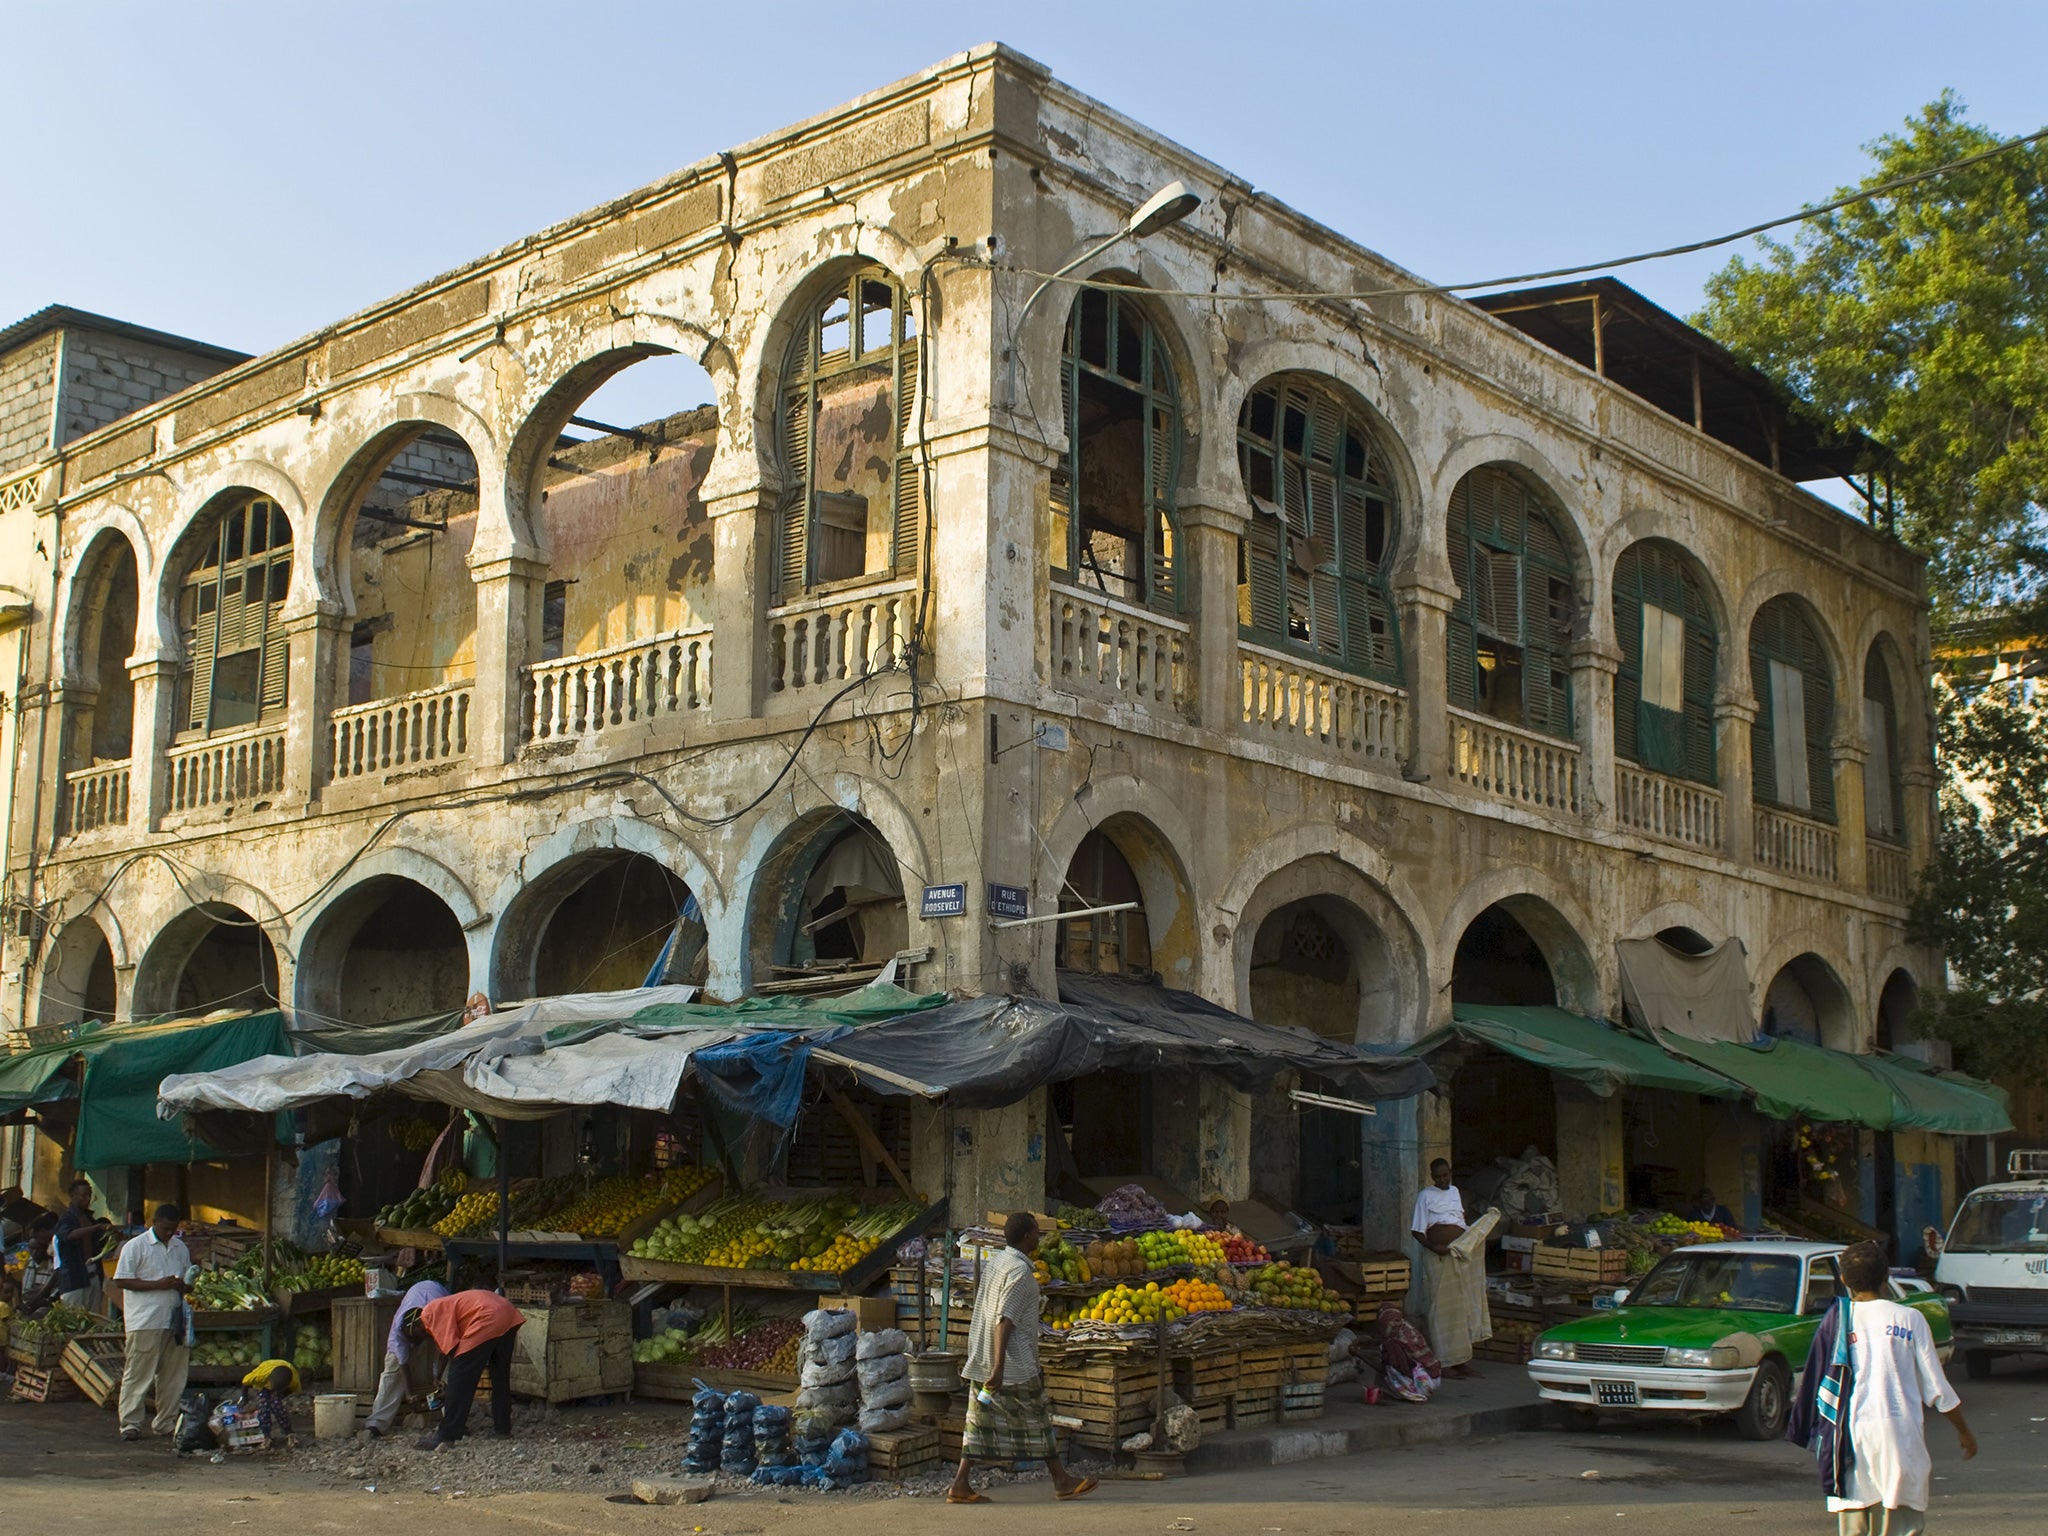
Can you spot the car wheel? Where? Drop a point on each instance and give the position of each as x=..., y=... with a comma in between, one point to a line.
x=1977, y=1364
x=1762, y=1417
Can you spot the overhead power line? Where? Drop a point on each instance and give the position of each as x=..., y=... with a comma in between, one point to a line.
x=1866, y=194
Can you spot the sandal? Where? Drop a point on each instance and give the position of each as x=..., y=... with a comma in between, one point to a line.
x=1080, y=1490
x=972, y=1498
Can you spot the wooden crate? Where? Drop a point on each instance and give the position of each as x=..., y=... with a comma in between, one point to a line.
x=1306, y=1363
x=1300, y=1401
x=574, y=1350
x=93, y=1362
x=1382, y=1274
x=37, y=1386
x=362, y=1326
x=1261, y=1370
x=901, y=1453
x=1208, y=1377
x=1252, y=1408
x=1112, y=1400
x=43, y=1353
x=1583, y=1266
x=1214, y=1415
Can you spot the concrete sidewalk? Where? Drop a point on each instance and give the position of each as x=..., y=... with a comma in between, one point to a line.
x=1497, y=1403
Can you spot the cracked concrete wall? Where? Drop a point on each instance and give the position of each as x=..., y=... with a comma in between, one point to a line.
x=963, y=183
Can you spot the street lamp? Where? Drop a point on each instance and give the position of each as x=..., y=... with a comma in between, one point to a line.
x=1169, y=205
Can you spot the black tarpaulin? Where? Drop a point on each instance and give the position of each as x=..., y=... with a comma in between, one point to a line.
x=989, y=1051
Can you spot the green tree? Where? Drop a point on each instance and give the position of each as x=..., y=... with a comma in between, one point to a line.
x=1921, y=317
x=1985, y=899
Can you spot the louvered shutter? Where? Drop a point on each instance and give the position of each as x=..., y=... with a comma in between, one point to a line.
x=1264, y=608
x=276, y=643
x=1701, y=761
x=793, y=537
x=1461, y=663
x=1763, y=752
x=1369, y=623
x=1628, y=631
x=909, y=475
x=200, y=648
x=1820, y=722
x=1161, y=455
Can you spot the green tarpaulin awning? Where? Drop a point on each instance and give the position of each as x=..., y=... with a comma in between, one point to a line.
x=1924, y=1099
x=117, y=1119
x=1791, y=1078
x=35, y=1077
x=1589, y=1051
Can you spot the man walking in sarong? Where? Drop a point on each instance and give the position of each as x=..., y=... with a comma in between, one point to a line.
x=1008, y=1418
x=1449, y=1284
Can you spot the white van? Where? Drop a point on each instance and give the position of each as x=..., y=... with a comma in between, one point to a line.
x=1994, y=1266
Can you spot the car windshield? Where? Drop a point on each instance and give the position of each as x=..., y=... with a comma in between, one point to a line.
x=1730, y=1282
x=2009, y=1221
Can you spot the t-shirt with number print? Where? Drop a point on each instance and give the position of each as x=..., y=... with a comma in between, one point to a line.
x=1898, y=1377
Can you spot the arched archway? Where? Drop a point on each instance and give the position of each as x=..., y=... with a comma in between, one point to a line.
x=1687, y=941
x=1808, y=1000
x=383, y=950
x=1664, y=624
x=1896, y=1005
x=99, y=715
x=1884, y=797
x=604, y=920
x=1792, y=741
x=208, y=958
x=79, y=982
x=827, y=901
x=1510, y=631
x=227, y=581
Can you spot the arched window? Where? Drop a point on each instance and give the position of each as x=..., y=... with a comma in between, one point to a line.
x=1790, y=762
x=1313, y=571
x=1883, y=797
x=1511, y=629
x=1664, y=691
x=230, y=610
x=1113, y=524
x=854, y=509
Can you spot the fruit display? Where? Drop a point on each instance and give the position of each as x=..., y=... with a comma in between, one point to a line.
x=1124, y=1304
x=1115, y=1258
x=422, y=1208
x=767, y=1347
x=619, y=1201
x=1282, y=1284
x=676, y=1346
x=1058, y=1261
x=313, y=1349
x=1242, y=1250
x=61, y=1320
x=473, y=1210
x=1179, y=1247
x=1192, y=1295
x=586, y=1285
x=1668, y=1225
x=233, y=1349
x=1085, y=1217
x=222, y=1290
x=823, y=1234
x=316, y=1272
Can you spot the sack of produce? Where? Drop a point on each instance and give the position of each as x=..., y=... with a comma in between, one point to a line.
x=841, y=1399
x=826, y=1373
x=887, y=1394
x=847, y=1461
x=884, y=1368
x=880, y=1421
x=778, y=1476
x=883, y=1341
x=819, y=1326
x=836, y=1351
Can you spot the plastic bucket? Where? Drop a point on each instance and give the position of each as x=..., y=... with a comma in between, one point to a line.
x=334, y=1415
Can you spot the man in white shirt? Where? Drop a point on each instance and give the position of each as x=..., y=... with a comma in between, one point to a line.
x=151, y=1276
x=1449, y=1285
x=1896, y=1376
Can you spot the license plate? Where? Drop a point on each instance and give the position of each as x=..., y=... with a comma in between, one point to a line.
x=2016, y=1336
x=1614, y=1394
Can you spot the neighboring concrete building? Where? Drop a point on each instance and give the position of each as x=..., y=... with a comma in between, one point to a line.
x=1368, y=653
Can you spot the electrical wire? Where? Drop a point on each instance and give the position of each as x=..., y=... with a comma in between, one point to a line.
x=1867, y=194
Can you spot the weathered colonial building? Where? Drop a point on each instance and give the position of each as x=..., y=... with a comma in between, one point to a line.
x=1360, y=653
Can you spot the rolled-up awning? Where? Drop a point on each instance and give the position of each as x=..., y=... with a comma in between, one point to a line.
x=1587, y=1050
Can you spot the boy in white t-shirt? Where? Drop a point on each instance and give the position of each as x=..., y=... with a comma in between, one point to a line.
x=1898, y=1376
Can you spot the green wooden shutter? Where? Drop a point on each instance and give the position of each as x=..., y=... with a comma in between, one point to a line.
x=792, y=561
x=909, y=476
x=1763, y=756
x=1628, y=632
x=1701, y=761
x=1162, y=555
x=1820, y=721
x=1461, y=650
x=1263, y=610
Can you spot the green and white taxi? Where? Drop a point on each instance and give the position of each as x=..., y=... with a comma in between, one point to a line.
x=1714, y=1328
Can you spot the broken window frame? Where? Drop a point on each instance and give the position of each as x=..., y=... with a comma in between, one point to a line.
x=1298, y=556
x=810, y=367
x=1507, y=545
x=1159, y=586
x=1655, y=573
x=1784, y=632
x=249, y=541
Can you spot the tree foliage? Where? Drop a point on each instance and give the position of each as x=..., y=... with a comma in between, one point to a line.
x=1921, y=317
x=1985, y=899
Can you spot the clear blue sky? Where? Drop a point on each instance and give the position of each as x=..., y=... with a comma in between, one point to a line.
x=247, y=172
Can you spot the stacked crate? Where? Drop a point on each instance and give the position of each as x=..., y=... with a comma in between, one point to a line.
x=1205, y=1382
x=899, y=1454
x=1113, y=1399
x=93, y=1362
x=1303, y=1388
x=1260, y=1374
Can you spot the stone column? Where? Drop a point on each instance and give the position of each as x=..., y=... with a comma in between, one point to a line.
x=1851, y=839
x=742, y=566
x=1425, y=603
x=316, y=641
x=1212, y=532
x=1594, y=665
x=1734, y=714
x=1918, y=785
x=156, y=689
x=508, y=599
x=1591, y=1151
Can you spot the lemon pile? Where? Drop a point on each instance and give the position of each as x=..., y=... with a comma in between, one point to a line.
x=740, y=1252
x=471, y=1210
x=845, y=1251
x=1126, y=1304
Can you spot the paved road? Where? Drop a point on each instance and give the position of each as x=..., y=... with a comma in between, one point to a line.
x=1652, y=1478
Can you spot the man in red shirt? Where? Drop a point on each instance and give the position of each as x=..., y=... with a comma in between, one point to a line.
x=472, y=1329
